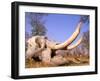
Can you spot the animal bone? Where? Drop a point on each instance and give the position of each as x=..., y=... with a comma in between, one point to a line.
x=40, y=46
x=67, y=42
x=76, y=44
x=35, y=45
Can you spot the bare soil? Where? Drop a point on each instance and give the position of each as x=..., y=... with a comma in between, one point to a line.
x=73, y=60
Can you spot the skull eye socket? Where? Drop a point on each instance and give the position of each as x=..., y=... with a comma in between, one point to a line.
x=30, y=45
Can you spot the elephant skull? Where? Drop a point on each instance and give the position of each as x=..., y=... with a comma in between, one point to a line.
x=41, y=47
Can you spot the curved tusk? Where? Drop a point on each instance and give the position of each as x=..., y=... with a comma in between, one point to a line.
x=76, y=44
x=69, y=41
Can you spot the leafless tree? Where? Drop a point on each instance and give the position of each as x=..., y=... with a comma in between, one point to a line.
x=37, y=22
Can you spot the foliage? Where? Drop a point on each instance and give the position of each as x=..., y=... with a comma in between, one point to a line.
x=26, y=38
x=86, y=39
x=37, y=23
x=84, y=18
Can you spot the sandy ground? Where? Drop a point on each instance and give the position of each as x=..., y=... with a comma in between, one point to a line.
x=71, y=61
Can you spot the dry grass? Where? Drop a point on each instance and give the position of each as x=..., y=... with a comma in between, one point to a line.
x=72, y=60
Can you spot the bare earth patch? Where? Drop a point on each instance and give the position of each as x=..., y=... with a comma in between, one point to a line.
x=72, y=60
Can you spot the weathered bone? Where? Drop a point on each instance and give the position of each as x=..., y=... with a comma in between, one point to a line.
x=68, y=42
x=41, y=47
x=35, y=45
x=75, y=45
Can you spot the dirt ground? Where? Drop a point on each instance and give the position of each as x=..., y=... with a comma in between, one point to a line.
x=73, y=60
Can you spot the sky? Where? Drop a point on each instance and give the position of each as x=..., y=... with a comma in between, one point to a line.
x=59, y=26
